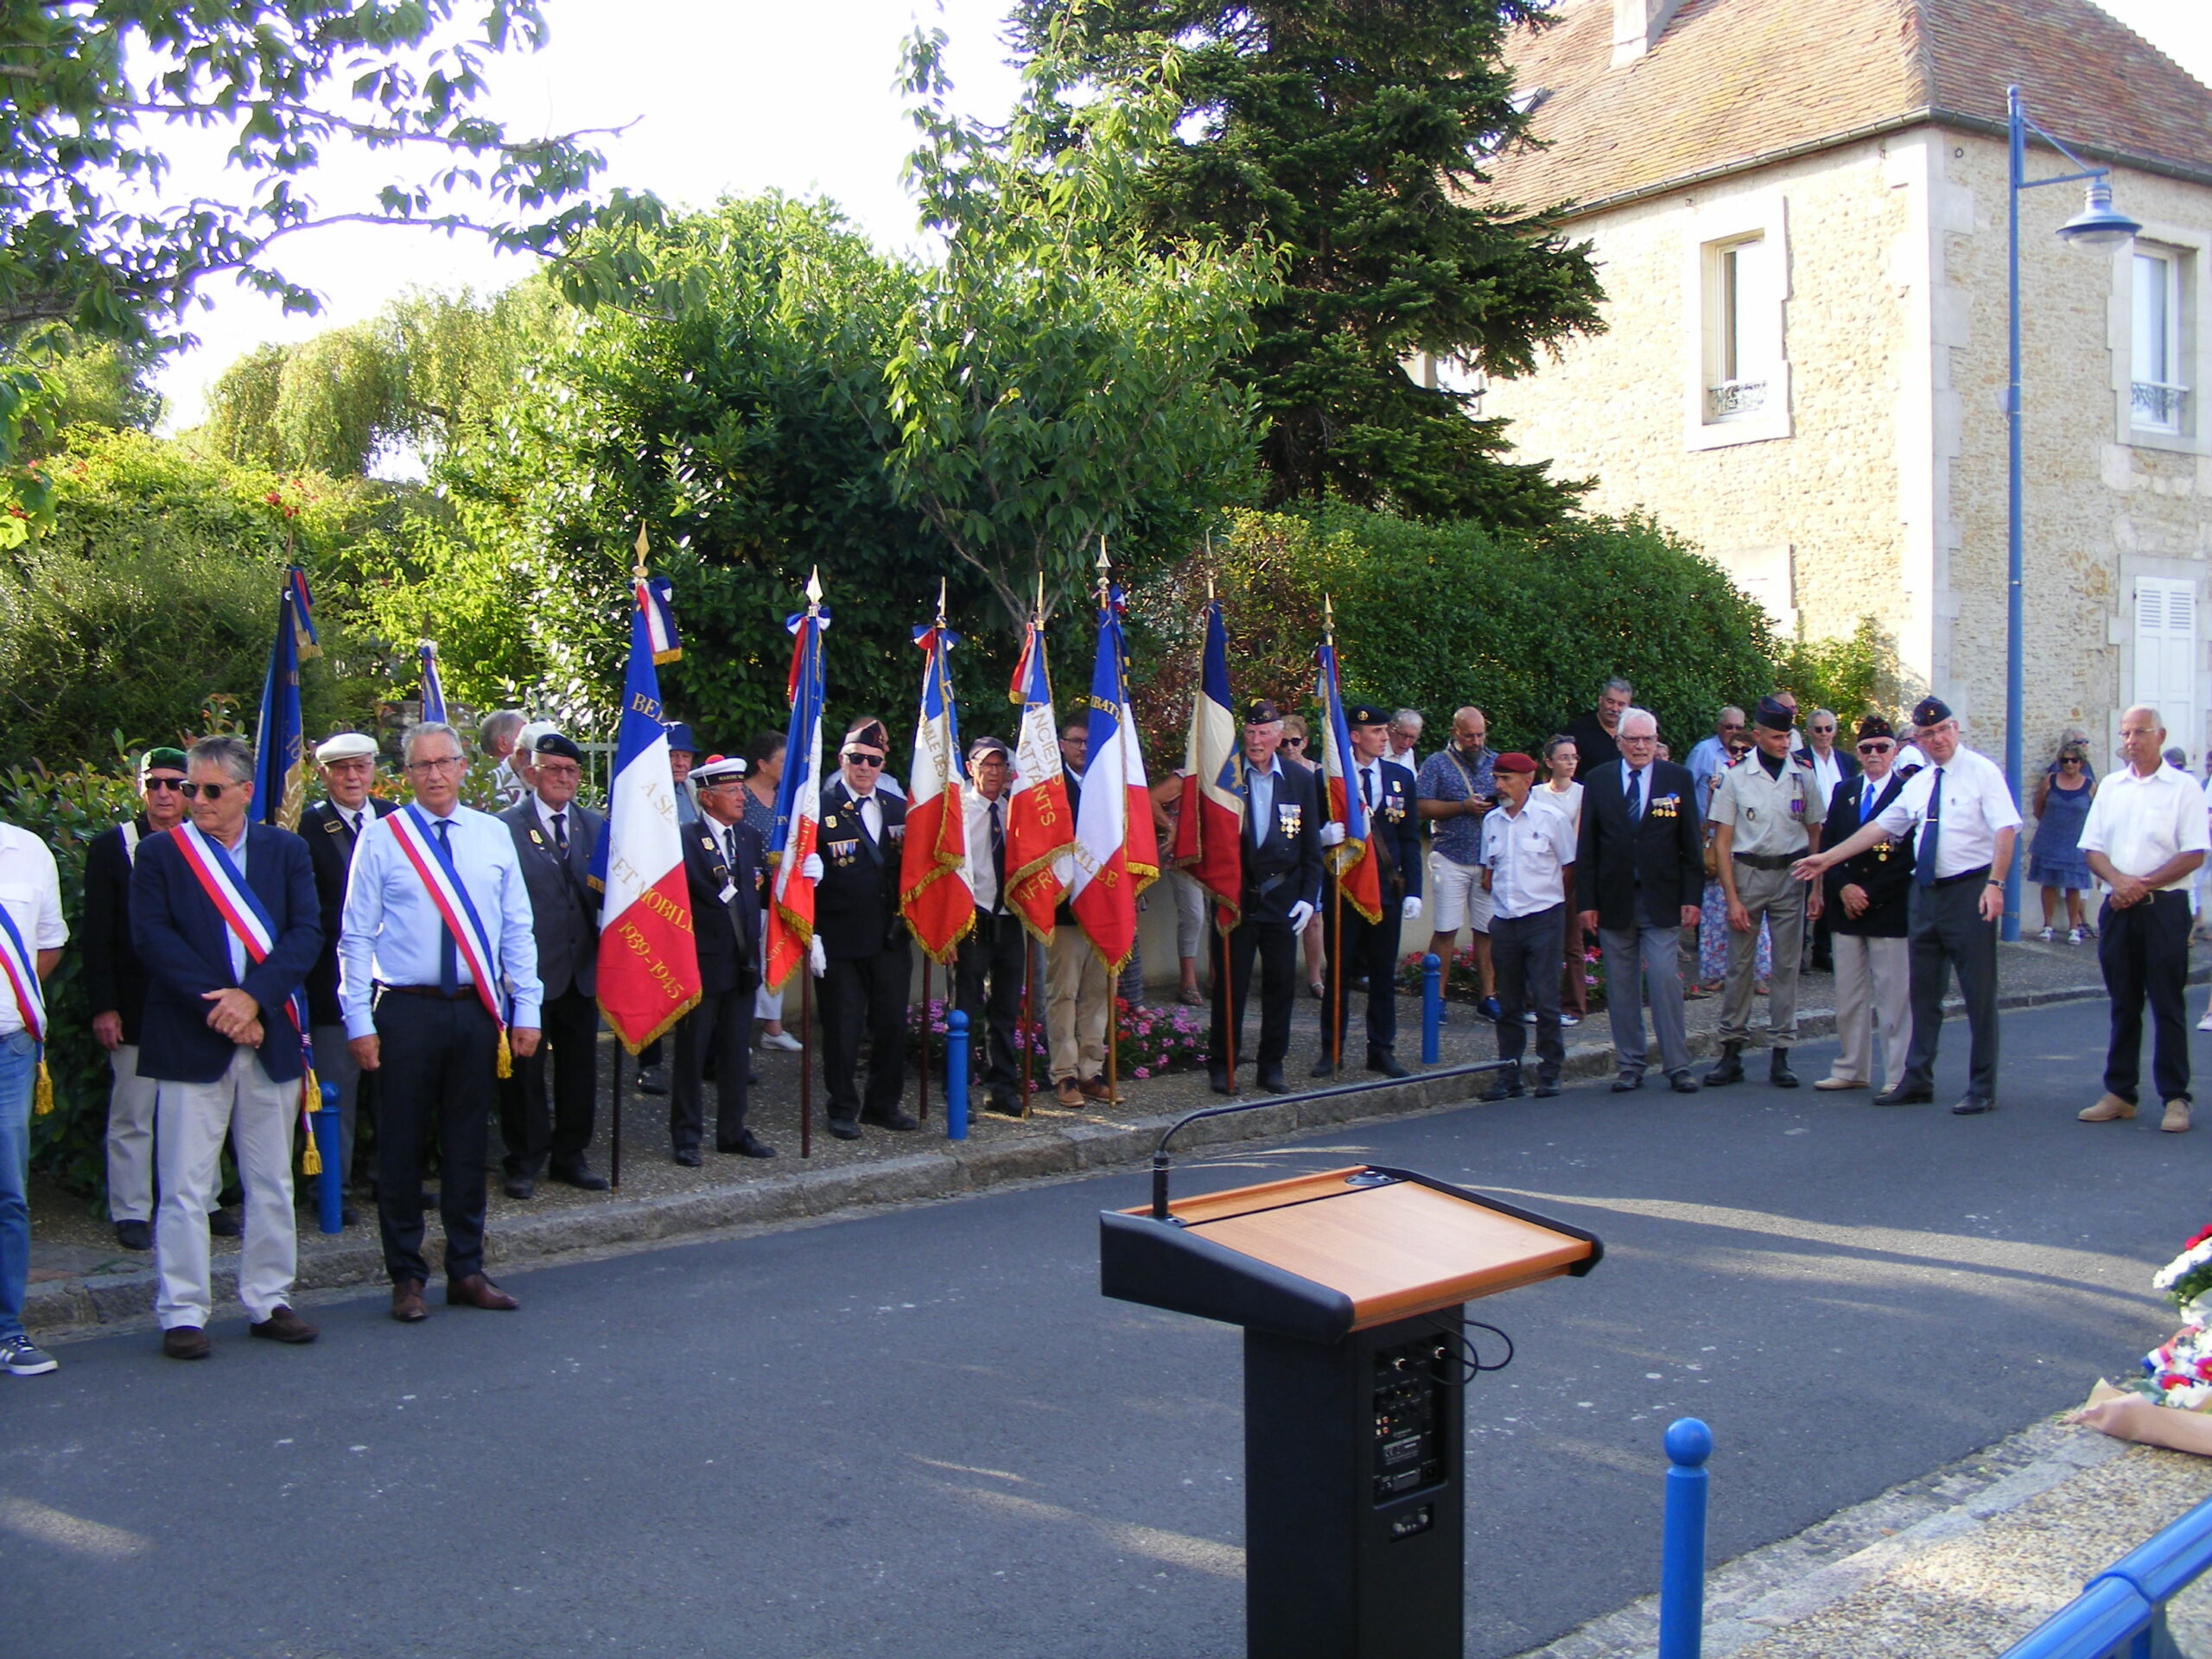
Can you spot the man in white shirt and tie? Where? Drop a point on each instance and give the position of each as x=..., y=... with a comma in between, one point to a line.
x=2145, y=838
x=1964, y=823
x=1527, y=845
x=991, y=971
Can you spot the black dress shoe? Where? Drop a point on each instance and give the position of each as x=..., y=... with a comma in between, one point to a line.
x=844, y=1128
x=652, y=1081
x=1389, y=1064
x=1324, y=1067
x=519, y=1187
x=1974, y=1104
x=1269, y=1078
x=578, y=1177
x=1217, y=1080
x=1546, y=1090
x=1628, y=1082
x=1777, y=1070
x=747, y=1145
x=1682, y=1083
x=688, y=1156
x=1904, y=1095
x=894, y=1119
x=135, y=1235
x=1730, y=1068
x=222, y=1223
x=1504, y=1089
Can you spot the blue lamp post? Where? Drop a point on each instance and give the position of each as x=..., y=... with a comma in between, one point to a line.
x=2097, y=225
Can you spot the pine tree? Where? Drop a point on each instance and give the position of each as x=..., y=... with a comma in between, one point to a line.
x=1351, y=135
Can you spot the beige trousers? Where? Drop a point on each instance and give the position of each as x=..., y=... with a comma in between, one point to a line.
x=1075, y=1006
x=1873, y=984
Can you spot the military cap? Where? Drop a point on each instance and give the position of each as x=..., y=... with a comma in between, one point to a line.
x=869, y=733
x=1514, y=761
x=1930, y=711
x=1262, y=712
x=718, y=769
x=1775, y=714
x=1874, y=726
x=1365, y=713
x=554, y=743
x=174, y=759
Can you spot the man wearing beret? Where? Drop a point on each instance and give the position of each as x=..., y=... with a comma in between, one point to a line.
x=1766, y=814
x=1528, y=845
x=724, y=867
x=1281, y=853
x=1371, y=948
x=333, y=828
x=115, y=985
x=554, y=840
x=1963, y=823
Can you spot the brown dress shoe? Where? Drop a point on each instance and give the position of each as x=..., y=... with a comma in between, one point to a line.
x=407, y=1301
x=1066, y=1093
x=283, y=1325
x=477, y=1291
x=1098, y=1089
x=185, y=1342
x=2109, y=1107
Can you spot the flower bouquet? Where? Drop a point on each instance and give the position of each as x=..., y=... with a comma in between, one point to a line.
x=2165, y=1406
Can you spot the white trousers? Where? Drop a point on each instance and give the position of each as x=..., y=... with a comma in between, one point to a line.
x=1874, y=985
x=193, y=1117
x=130, y=1138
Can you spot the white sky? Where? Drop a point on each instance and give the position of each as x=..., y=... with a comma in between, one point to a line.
x=726, y=99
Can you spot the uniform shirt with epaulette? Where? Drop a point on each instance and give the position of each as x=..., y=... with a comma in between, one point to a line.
x=1771, y=811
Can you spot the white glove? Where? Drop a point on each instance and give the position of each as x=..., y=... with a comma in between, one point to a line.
x=1410, y=911
x=810, y=868
x=816, y=957
x=1332, y=834
x=1300, y=914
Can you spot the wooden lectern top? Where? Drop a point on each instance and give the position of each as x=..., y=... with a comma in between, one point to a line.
x=1395, y=1248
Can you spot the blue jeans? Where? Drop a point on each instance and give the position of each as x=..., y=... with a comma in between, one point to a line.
x=18, y=1067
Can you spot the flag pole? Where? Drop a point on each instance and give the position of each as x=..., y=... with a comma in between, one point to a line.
x=1334, y=939
x=805, y=1060
x=926, y=1038
x=1113, y=974
x=1028, y=989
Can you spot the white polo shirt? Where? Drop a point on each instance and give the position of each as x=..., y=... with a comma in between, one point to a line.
x=1976, y=807
x=30, y=889
x=2141, y=823
x=1524, y=854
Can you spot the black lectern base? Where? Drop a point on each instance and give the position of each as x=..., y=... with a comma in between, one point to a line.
x=1355, y=1516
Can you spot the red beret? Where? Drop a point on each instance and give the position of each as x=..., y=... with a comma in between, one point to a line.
x=1514, y=761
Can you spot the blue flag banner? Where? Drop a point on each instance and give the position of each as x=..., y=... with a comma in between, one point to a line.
x=280, y=757
x=434, y=695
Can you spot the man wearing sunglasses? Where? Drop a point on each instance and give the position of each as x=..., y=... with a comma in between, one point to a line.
x=1866, y=898
x=861, y=951
x=225, y=916
x=115, y=985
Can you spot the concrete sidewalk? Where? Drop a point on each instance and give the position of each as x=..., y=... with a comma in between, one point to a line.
x=81, y=1280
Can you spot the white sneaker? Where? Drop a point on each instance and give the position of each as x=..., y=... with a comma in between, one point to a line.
x=781, y=1039
x=2045, y=936
x=1570, y=1019
x=2205, y=1023
x=2073, y=936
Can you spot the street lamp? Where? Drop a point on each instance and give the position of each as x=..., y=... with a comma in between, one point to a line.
x=2097, y=225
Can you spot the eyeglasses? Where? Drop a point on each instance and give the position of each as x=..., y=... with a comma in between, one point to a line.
x=1876, y=745
x=559, y=771
x=443, y=763
x=1734, y=748
x=853, y=758
x=167, y=783
x=205, y=791
x=1293, y=742
x=1821, y=731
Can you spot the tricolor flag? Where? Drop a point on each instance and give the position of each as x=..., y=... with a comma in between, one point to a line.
x=933, y=892
x=798, y=797
x=434, y=695
x=1352, y=859
x=1117, y=856
x=280, y=758
x=1210, y=824
x=648, y=957
x=1040, y=831
x=660, y=621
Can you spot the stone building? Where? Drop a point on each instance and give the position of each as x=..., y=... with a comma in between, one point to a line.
x=1800, y=210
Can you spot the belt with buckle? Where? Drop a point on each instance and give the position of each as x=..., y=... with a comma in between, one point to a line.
x=1767, y=861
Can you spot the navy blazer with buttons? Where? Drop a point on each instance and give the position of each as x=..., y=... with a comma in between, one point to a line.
x=728, y=935
x=1883, y=870
x=185, y=945
x=1283, y=866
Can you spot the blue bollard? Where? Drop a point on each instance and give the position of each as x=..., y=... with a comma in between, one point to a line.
x=330, y=1197
x=1432, y=1007
x=1682, y=1554
x=956, y=1076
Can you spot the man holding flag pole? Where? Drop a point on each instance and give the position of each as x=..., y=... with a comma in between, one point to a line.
x=791, y=842
x=1040, y=823
x=935, y=893
x=1210, y=824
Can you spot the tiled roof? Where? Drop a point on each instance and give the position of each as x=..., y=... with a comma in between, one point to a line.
x=1732, y=80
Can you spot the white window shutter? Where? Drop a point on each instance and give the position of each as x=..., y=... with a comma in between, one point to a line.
x=2166, y=655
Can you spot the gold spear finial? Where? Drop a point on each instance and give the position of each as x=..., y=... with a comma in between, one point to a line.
x=641, y=550
x=814, y=586
x=1038, y=614
x=940, y=601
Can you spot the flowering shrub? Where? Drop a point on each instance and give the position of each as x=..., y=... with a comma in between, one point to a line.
x=1150, y=1041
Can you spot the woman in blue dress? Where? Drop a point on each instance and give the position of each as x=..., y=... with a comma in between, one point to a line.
x=2056, y=860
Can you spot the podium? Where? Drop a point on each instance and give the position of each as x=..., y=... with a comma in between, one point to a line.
x=1349, y=1285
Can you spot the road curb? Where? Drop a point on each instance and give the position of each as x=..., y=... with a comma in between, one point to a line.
x=949, y=1169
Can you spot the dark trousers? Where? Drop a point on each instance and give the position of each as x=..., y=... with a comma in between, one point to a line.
x=1946, y=931
x=532, y=1128
x=1574, y=969
x=1276, y=946
x=721, y=1025
x=866, y=994
x=1525, y=951
x=437, y=1061
x=1369, y=948
x=2144, y=950
x=988, y=977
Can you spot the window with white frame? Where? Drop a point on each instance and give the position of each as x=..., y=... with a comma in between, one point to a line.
x=1737, y=318
x=1735, y=303
x=2166, y=654
x=2157, y=396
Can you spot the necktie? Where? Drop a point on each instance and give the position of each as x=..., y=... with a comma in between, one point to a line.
x=448, y=957
x=1367, y=787
x=730, y=849
x=1924, y=861
x=998, y=858
x=1636, y=796
x=354, y=818
x=1866, y=802
x=561, y=830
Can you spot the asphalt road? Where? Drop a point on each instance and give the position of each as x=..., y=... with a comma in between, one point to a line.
x=924, y=1432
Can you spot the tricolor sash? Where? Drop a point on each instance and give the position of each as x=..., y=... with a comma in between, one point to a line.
x=434, y=868
x=19, y=967
x=240, y=907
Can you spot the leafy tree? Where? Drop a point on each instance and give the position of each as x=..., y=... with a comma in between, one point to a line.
x=1849, y=676
x=86, y=382
x=1351, y=138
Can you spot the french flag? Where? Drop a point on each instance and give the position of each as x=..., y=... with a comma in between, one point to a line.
x=798, y=797
x=1210, y=824
x=933, y=892
x=648, y=957
x=1117, y=856
x=1040, y=831
x=1352, y=860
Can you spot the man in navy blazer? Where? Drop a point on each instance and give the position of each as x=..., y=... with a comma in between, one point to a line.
x=725, y=867
x=220, y=1040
